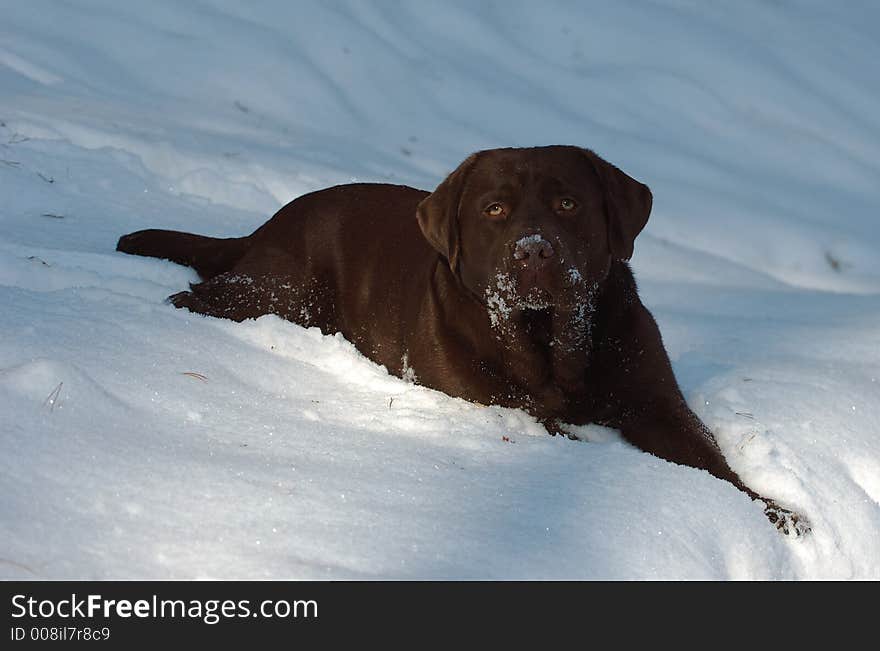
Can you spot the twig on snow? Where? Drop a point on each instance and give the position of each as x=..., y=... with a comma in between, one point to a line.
x=53, y=398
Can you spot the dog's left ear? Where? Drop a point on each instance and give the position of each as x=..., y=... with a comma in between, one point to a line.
x=627, y=204
x=438, y=213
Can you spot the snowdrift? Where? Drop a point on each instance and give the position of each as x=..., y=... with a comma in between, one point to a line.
x=139, y=441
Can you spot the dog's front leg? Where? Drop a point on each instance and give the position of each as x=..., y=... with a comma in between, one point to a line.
x=673, y=432
x=640, y=397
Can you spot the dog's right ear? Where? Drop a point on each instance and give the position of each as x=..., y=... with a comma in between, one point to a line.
x=438, y=213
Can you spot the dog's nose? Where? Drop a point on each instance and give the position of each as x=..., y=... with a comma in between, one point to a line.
x=532, y=248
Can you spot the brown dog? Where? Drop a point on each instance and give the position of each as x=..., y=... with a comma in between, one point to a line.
x=507, y=285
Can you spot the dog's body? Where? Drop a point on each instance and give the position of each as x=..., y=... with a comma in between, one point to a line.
x=507, y=285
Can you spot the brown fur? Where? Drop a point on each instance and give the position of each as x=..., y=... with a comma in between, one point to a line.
x=507, y=285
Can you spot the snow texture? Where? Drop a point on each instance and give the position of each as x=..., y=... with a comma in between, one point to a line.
x=141, y=441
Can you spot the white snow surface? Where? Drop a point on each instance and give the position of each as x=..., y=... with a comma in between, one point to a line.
x=141, y=441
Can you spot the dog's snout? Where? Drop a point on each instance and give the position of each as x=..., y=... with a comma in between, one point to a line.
x=532, y=248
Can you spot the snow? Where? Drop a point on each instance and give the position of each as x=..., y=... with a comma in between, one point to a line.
x=521, y=243
x=141, y=441
x=501, y=300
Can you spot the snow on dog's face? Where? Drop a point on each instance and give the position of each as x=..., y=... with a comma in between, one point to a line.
x=535, y=228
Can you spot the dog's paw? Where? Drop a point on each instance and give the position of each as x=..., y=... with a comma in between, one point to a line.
x=788, y=522
x=554, y=427
x=181, y=299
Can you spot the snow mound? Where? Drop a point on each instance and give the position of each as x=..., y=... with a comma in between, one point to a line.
x=140, y=441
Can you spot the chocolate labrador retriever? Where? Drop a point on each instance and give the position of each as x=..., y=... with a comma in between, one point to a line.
x=508, y=285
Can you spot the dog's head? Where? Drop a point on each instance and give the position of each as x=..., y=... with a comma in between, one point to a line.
x=534, y=228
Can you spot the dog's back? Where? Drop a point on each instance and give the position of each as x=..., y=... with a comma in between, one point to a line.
x=343, y=259
x=357, y=218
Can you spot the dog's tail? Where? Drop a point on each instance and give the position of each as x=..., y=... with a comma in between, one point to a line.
x=209, y=256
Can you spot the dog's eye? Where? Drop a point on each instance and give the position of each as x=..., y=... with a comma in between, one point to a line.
x=495, y=210
x=567, y=204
